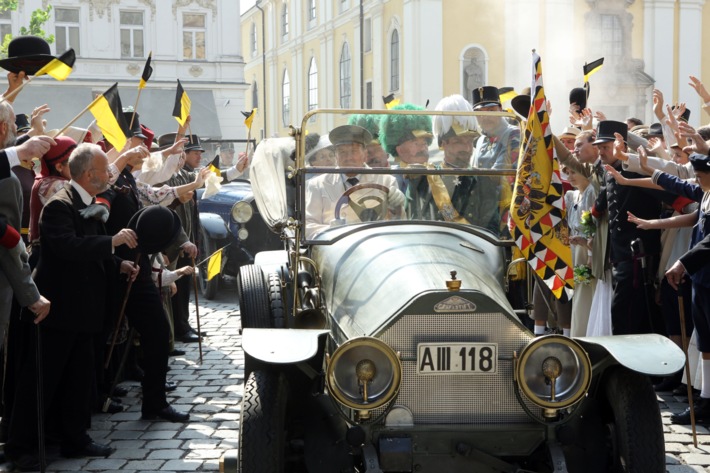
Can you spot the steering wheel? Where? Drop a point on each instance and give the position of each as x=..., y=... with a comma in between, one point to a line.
x=359, y=206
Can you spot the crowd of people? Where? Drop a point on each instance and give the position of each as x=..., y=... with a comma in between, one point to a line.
x=97, y=250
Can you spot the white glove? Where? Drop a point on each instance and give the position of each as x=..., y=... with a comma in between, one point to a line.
x=96, y=211
x=395, y=199
x=213, y=184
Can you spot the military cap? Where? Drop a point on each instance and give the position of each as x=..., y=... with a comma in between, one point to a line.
x=700, y=162
x=607, y=128
x=485, y=96
x=349, y=134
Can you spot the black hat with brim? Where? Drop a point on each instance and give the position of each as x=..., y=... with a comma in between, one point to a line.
x=193, y=143
x=136, y=129
x=22, y=121
x=578, y=96
x=655, y=130
x=156, y=227
x=485, y=97
x=607, y=128
x=700, y=162
x=521, y=103
x=27, y=53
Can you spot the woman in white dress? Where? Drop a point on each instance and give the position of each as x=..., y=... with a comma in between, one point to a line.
x=578, y=202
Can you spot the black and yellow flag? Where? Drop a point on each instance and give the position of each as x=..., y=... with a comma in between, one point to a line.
x=390, y=101
x=249, y=118
x=59, y=67
x=108, y=112
x=214, y=265
x=506, y=93
x=181, y=110
x=591, y=68
x=214, y=166
x=147, y=72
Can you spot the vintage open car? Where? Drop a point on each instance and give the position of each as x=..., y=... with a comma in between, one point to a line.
x=382, y=343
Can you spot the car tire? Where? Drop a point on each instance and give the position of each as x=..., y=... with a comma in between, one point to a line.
x=262, y=433
x=209, y=289
x=635, y=431
x=254, y=304
x=276, y=300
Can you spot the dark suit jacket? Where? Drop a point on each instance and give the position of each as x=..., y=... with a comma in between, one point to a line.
x=698, y=258
x=76, y=266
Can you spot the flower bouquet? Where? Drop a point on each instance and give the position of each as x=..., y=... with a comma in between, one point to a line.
x=587, y=223
x=583, y=274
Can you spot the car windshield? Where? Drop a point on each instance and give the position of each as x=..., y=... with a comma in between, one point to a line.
x=402, y=167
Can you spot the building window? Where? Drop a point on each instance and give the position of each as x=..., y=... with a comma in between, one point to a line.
x=394, y=61
x=313, y=85
x=368, y=95
x=343, y=5
x=193, y=36
x=311, y=10
x=286, y=99
x=284, y=21
x=612, y=36
x=253, y=40
x=132, y=44
x=5, y=24
x=367, y=35
x=254, y=95
x=66, y=29
x=345, y=74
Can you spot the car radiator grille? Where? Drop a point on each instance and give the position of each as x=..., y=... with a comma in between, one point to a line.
x=459, y=399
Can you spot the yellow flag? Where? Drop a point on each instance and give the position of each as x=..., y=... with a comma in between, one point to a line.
x=249, y=118
x=506, y=93
x=181, y=109
x=390, y=101
x=592, y=68
x=60, y=67
x=108, y=112
x=214, y=265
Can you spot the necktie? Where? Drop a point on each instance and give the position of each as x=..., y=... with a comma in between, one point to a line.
x=353, y=181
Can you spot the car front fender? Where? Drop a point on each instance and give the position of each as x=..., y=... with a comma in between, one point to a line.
x=281, y=346
x=214, y=226
x=649, y=354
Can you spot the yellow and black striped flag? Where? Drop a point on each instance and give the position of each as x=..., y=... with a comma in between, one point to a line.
x=249, y=118
x=214, y=265
x=59, y=67
x=108, y=112
x=506, y=93
x=181, y=109
x=390, y=101
x=214, y=166
x=591, y=68
x=147, y=72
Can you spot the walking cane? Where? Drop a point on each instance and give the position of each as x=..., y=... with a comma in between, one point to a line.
x=120, y=317
x=122, y=363
x=40, y=405
x=684, y=341
x=197, y=309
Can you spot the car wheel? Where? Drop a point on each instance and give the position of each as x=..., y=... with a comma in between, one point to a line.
x=209, y=288
x=276, y=300
x=262, y=434
x=635, y=431
x=254, y=304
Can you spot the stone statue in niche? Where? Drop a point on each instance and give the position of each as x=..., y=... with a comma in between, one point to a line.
x=473, y=76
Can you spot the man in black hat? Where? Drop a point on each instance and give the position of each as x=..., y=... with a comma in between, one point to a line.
x=323, y=191
x=616, y=201
x=499, y=146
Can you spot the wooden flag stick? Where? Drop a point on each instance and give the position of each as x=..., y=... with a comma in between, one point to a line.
x=197, y=308
x=12, y=94
x=246, y=151
x=78, y=116
x=135, y=107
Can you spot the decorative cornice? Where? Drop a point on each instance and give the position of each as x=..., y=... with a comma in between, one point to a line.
x=211, y=4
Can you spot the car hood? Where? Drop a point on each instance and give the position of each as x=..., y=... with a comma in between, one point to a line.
x=230, y=193
x=369, y=275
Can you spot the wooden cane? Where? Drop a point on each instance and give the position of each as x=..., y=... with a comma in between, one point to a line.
x=197, y=309
x=120, y=317
x=40, y=405
x=684, y=341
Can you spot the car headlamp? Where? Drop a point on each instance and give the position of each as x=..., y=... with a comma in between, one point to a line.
x=554, y=372
x=242, y=212
x=364, y=373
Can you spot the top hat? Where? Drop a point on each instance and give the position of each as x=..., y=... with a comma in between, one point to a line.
x=607, y=128
x=521, y=103
x=579, y=96
x=23, y=122
x=136, y=129
x=485, y=96
x=700, y=162
x=656, y=129
x=156, y=227
x=345, y=134
x=193, y=143
x=26, y=53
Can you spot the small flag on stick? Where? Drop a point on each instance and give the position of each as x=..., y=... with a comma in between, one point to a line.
x=147, y=72
x=214, y=265
x=506, y=93
x=592, y=68
x=108, y=112
x=59, y=67
x=214, y=166
x=249, y=117
x=390, y=101
x=181, y=109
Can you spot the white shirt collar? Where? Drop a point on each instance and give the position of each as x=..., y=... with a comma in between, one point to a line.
x=85, y=196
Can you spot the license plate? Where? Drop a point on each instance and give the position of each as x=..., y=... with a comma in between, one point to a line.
x=457, y=358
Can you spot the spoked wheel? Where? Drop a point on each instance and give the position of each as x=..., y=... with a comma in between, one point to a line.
x=634, y=429
x=262, y=436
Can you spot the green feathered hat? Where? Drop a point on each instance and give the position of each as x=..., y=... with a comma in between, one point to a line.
x=369, y=122
x=396, y=129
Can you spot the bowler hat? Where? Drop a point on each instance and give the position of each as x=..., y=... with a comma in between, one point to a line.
x=521, y=103
x=26, y=53
x=579, y=96
x=345, y=134
x=22, y=121
x=700, y=162
x=485, y=96
x=655, y=130
x=607, y=128
x=193, y=144
x=156, y=227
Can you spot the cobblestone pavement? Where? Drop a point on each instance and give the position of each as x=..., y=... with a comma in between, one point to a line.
x=212, y=391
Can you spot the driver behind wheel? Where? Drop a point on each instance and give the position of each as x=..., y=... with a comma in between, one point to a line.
x=359, y=197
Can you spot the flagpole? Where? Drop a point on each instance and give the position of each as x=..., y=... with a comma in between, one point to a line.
x=135, y=107
x=12, y=94
x=246, y=151
x=78, y=116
